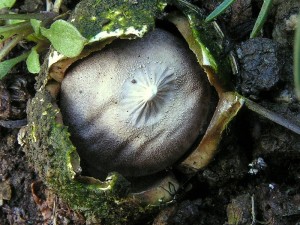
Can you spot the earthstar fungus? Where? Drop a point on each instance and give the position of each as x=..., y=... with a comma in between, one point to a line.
x=151, y=94
x=134, y=111
x=136, y=106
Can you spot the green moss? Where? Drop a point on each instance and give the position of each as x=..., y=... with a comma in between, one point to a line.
x=91, y=17
x=211, y=41
x=52, y=154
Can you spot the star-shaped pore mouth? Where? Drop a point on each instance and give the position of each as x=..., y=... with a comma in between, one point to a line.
x=146, y=93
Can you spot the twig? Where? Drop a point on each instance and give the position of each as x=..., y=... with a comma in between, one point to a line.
x=49, y=6
x=272, y=116
x=253, y=211
x=13, y=123
x=57, y=5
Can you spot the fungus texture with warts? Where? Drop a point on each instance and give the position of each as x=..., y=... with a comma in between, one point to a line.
x=137, y=106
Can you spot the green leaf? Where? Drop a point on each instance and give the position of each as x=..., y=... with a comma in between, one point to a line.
x=33, y=62
x=6, y=3
x=36, y=24
x=7, y=65
x=220, y=9
x=297, y=59
x=261, y=19
x=65, y=38
x=37, y=35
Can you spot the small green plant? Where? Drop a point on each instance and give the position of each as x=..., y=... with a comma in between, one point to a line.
x=63, y=36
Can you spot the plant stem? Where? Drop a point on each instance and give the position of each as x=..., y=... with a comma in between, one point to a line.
x=11, y=30
x=10, y=45
x=57, y=5
x=272, y=116
x=15, y=27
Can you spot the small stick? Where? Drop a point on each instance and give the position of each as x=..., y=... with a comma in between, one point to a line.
x=272, y=116
x=57, y=5
x=13, y=123
x=253, y=211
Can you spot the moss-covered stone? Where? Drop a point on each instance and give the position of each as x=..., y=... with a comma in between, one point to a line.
x=92, y=17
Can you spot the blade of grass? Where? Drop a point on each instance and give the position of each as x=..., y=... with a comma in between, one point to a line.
x=221, y=8
x=261, y=19
x=297, y=59
x=7, y=65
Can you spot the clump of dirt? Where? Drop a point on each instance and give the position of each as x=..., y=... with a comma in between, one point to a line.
x=260, y=66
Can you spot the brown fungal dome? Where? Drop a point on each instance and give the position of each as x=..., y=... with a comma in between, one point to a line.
x=136, y=106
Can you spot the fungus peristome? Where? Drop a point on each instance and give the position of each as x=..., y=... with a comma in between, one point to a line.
x=136, y=106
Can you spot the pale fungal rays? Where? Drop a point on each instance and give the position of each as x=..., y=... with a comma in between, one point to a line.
x=147, y=91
